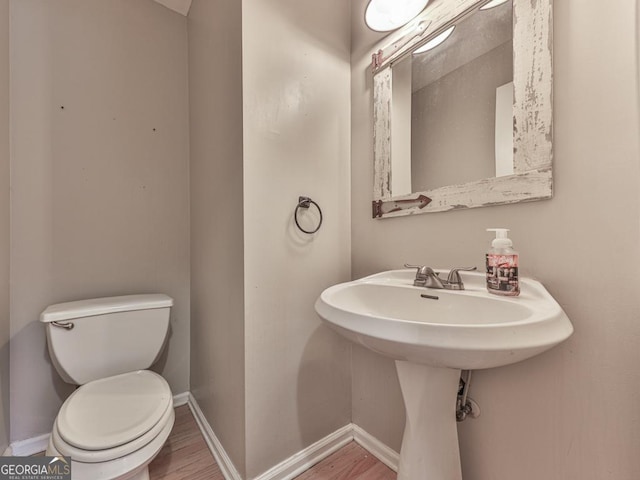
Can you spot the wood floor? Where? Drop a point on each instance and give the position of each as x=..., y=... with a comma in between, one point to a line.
x=186, y=456
x=351, y=462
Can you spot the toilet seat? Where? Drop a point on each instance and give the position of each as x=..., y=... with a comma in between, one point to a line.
x=132, y=466
x=99, y=456
x=112, y=417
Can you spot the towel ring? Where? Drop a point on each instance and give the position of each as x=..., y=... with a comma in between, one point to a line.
x=305, y=202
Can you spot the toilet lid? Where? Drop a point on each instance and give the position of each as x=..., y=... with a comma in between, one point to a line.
x=113, y=411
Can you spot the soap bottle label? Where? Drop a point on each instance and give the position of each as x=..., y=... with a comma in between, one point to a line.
x=502, y=274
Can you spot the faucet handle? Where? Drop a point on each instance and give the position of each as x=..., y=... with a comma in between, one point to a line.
x=406, y=265
x=454, y=281
x=426, y=277
x=422, y=269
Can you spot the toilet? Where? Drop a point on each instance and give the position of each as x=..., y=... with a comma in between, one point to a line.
x=121, y=414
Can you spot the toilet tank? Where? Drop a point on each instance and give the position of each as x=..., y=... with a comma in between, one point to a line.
x=109, y=336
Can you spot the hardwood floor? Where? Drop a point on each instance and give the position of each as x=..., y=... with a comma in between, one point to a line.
x=186, y=456
x=351, y=462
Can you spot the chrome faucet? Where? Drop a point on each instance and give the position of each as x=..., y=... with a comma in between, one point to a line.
x=428, y=278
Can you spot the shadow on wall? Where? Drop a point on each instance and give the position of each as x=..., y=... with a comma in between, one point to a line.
x=323, y=363
x=32, y=338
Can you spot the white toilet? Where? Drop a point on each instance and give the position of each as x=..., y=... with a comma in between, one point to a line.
x=117, y=421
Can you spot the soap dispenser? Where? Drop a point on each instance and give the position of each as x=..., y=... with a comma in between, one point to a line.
x=502, y=265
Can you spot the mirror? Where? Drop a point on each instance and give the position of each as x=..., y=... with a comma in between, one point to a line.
x=454, y=90
x=462, y=109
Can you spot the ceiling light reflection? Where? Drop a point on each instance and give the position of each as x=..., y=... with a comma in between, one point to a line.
x=434, y=42
x=493, y=3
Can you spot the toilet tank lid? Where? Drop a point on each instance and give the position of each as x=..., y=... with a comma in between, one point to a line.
x=102, y=306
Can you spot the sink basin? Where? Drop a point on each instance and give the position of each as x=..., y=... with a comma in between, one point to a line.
x=433, y=335
x=469, y=329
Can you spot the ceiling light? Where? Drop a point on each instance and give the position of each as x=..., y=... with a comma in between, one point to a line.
x=435, y=41
x=493, y=3
x=386, y=15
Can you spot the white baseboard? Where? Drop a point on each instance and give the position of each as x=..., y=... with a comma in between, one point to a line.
x=307, y=458
x=31, y=446
x=303, y=460
x=374, y=446
x=180, y=399
x=227, y=467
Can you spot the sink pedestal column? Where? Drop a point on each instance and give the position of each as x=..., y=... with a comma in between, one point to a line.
x=430, y=448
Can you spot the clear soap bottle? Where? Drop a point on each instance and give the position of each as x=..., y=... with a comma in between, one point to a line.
x=502, y=265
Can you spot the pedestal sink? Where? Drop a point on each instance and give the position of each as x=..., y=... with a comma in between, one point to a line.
x=432, y=339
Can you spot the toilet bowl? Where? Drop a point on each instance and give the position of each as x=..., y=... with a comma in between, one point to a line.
x=117, y=421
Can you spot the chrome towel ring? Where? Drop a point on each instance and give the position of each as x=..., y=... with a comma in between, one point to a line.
x=305, y=203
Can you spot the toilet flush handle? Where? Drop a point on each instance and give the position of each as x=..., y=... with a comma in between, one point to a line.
x=65, y=325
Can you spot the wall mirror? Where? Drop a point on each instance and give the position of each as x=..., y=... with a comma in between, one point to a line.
x=463, y=108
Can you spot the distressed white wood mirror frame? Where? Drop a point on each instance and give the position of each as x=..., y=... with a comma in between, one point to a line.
x=532, y=113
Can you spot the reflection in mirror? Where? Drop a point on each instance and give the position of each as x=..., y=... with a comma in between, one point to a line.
x=453, y=105
x=468, y=121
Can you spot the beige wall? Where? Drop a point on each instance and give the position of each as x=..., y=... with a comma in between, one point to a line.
x=268, y=376
x=570, y=413
x=296, y=142
x=99, y=177
x=217, y=254
x=4, y=225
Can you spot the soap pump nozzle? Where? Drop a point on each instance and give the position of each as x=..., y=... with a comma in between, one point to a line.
x=502, y=239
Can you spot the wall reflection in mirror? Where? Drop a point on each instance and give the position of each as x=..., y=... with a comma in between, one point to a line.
x=452, y=113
